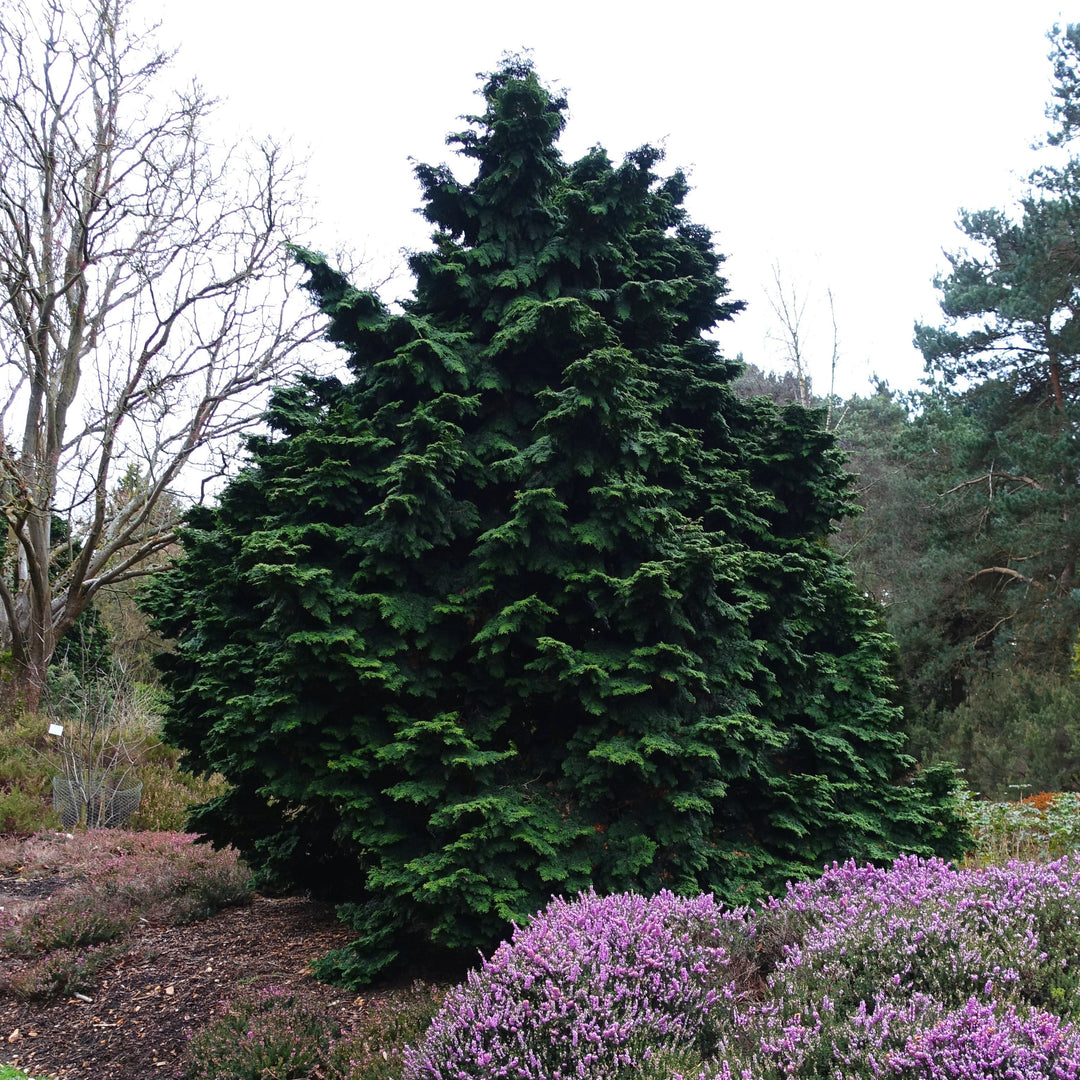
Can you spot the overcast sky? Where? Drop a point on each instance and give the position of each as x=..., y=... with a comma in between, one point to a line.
x=835, y=140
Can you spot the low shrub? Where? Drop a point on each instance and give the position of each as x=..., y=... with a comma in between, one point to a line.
x=67, y=920
x=23, y=810
x=276, y=1035
x=25, y=777
x=169, y=877
x=119, y=877
x=1044, y=826
x=169, y=792
x=375, y=1047
x=913, y=1039
x=270, y=1035
x=891, y=961
x=915, y=971
x=60, y=973
x=1011, y=933
x=595, y=987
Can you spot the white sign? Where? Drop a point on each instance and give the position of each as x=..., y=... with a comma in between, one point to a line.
x=56, y=729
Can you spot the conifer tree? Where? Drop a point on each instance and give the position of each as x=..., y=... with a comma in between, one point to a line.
x=534, y=601
x=991, y=660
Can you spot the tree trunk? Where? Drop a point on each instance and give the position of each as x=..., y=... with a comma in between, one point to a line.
x=22, y=687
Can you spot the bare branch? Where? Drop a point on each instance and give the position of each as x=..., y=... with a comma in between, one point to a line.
x=989, y=478
x=789, y=309
x=146, y=303
x=1006, y=571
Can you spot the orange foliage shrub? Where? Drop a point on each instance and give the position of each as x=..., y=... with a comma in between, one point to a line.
x=1041, y=800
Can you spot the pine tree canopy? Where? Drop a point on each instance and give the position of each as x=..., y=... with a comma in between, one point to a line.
x=533, y=601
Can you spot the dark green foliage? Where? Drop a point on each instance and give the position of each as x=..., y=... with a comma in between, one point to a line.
x=967, y=541
x=535, y=601
x=1010, y=307
x=1064, y=110
x=1010, y=302
x=1016, y=732
x=987, y=633
x=86, y=647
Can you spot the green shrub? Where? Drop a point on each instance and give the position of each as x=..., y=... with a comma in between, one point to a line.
x=271, y=1035
x=24, y=811
x=1014, y=727
x=1036, y=829
x=533, y=602
x=375, y=1048
x=169, y=792
x=25, y=776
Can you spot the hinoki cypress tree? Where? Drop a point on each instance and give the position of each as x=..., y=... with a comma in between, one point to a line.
x=533, y=601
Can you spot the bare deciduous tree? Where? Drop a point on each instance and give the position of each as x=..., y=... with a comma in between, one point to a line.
x=789, y=307
x=146, y=300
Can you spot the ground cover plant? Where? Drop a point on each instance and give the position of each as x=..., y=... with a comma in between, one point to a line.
x=280, y=1035
x=117, y=878
x=920, y=970
x=1039, y=826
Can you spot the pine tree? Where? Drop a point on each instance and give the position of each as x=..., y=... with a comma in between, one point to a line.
x=990, y=651
x=534, y=601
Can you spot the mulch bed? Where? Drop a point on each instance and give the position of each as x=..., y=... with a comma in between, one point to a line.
x=168, y=983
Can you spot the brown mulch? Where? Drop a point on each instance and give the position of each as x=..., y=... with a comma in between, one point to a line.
x=169, y=982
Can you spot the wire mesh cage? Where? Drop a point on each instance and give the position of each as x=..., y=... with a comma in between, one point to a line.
x=91, y=801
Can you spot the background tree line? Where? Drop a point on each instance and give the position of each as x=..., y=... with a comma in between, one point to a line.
x=970, y=487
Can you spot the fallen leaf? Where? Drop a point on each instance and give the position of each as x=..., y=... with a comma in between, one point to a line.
x=14, y=1036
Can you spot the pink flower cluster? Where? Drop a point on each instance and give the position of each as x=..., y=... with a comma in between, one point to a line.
x=920, y=971
x=589, y=988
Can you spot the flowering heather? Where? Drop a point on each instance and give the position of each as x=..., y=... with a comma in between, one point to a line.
x=917, y=1039
x=1001, y=933
x=980, y=1040
x=59, y=973
x=66, y=920
x=168, y=876
x=920, y=971
x=591, y=988
x=278, y=1034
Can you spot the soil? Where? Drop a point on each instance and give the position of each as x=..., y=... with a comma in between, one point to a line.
x=168, y=983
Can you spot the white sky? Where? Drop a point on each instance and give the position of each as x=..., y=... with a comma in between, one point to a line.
x=837, y=139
